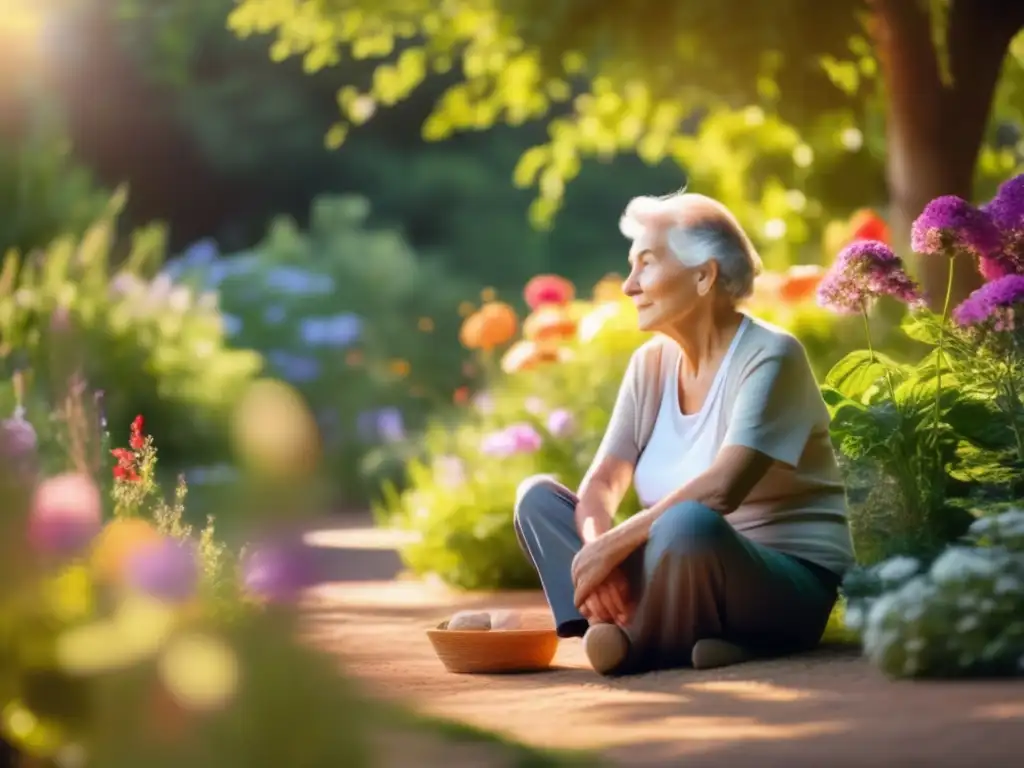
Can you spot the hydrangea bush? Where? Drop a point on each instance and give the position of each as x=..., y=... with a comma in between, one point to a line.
x=553, y=379
x=363, y=327
x=961, y=615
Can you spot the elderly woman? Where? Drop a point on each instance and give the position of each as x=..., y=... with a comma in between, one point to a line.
x=720, y=426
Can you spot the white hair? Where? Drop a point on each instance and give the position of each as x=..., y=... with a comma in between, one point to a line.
x=698, y=229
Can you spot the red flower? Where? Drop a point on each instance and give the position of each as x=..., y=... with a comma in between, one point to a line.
x=865, y=224
x=125, y=458
x=128, y=474
x=137, y=439
x=548, y=289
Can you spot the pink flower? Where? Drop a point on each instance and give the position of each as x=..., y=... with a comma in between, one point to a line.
x=517, y=438
x=864, y=271
x=66, y=515
x=561, y=422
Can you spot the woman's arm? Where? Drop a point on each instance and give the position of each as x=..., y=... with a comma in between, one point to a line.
x=723, y=487
x=600, y=494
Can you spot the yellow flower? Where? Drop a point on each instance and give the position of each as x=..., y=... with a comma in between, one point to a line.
x=117, y=543
x=426, y=324
x=399, y=367
x=466, y=309
x=488, y=294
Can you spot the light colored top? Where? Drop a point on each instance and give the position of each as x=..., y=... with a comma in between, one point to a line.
x=682, y=446
x=770, y=402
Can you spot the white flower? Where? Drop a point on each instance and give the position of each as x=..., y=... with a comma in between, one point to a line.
x=898, y=569
x=962, y=563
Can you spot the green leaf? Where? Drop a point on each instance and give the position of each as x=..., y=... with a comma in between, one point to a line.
x=979, y=424
x=922, y=326
x=856, y=373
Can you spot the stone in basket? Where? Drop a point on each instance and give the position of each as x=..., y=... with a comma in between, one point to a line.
x=493, y=642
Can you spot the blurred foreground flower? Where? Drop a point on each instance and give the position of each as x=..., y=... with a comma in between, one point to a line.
x=201, y=672
x=608, y=289
x=279, y=571
x=167, y=569
x=119, y=541
x=274, y=432
x=66, y=515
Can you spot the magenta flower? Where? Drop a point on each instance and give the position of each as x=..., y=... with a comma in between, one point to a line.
x=278, y=571
x=167, y=570
x=864, y=271
x=66, y=515
x=950, y=225
x=1006, y=210
x=993, y=304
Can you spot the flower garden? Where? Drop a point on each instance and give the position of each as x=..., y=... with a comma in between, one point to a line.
x=139, y=626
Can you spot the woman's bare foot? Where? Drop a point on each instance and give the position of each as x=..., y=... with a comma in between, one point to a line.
x=607, y=647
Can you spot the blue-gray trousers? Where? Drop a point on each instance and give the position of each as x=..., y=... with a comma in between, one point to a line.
x=695, y=578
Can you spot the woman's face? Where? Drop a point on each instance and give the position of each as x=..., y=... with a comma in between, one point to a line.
x=664, y=291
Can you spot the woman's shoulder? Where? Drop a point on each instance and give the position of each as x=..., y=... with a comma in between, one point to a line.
x=764, y=339
x=650, y=357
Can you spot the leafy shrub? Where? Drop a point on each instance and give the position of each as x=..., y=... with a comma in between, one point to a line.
x=350, y=316
x=544, y=412
x=150, y=345
x=959, y=616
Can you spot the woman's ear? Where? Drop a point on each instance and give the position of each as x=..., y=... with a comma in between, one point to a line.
x=707, y=276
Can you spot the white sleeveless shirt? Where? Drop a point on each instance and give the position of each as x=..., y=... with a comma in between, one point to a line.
x=682, y=446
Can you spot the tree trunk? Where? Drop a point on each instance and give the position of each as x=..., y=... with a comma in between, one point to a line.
x=935, y=129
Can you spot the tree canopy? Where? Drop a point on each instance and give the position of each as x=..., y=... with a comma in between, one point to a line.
x=779, y=109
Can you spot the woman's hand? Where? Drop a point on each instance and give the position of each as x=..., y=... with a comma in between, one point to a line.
x=592, y=566
x=610, y=602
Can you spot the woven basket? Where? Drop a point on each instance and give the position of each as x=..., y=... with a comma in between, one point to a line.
x=493, y=651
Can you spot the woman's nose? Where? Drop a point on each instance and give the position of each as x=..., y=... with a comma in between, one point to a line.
x=630, y=287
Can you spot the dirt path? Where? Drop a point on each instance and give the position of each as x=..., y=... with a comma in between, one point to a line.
x=827, y=708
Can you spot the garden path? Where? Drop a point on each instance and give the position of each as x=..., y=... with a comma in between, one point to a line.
x=825, y=708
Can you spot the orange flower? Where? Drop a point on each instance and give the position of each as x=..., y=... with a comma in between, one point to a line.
x=399, y=367
x=865, y=224
x=494, y=324
x=526, y=355
x=488, y=294
x=118, y=542
x=425, y=324
x=548, y=289
x=549, y=323
x=800, y=282
x=461, y=396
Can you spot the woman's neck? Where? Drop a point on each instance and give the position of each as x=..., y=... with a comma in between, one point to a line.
x=704, y=338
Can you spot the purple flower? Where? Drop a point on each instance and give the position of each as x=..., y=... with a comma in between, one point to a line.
x=864, y=271
x=384, y=424
x=18, y=441
x=66, y=515
x=993, y=303
x=167, y=570
x=561, y=422
x=950, y=225
x=1007, y=212
x=279, y=571
x=517, y=438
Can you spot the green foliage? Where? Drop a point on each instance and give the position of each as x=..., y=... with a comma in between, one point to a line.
x=958, y=617
x=363, y=328
x=776, y=111
x=43, y=193
x=153, y=347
